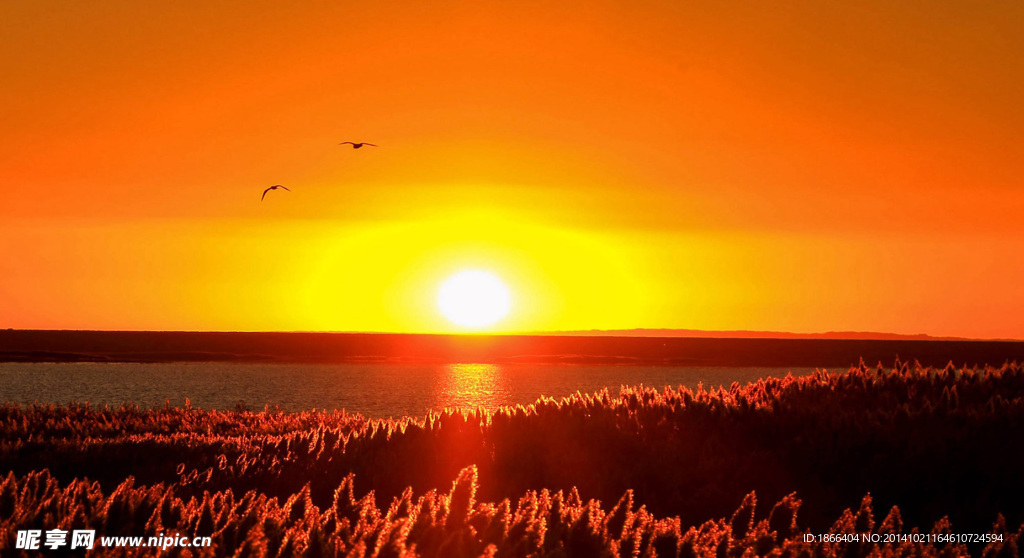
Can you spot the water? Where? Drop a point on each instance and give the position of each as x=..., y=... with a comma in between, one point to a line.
x=376, y=390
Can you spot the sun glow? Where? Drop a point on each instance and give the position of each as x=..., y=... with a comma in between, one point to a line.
x=474, y=299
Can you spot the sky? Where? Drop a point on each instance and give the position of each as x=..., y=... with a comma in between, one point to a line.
x=783, y=166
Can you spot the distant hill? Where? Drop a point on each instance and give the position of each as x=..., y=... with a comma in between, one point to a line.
x=745, y=334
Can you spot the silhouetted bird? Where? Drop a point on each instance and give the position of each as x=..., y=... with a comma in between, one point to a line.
x=357, y=145
x=274, y=187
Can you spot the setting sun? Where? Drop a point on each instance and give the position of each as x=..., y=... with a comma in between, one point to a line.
x=474, y=298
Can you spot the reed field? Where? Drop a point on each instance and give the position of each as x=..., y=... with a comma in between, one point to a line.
x=909, y=454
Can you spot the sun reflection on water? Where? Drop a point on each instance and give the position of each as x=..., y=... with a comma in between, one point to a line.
x=471, y=386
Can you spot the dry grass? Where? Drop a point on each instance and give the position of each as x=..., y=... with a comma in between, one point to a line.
x=941, y=444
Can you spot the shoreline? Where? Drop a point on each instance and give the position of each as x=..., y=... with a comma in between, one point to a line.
x=35, y=346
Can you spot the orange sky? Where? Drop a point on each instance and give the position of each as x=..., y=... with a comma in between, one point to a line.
x=798, y=166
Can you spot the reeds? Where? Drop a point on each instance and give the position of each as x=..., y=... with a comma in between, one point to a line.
x=941, y=444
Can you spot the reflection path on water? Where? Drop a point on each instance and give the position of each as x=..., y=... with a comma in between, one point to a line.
x=472, y=386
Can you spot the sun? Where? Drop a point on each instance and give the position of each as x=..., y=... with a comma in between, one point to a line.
x=474, y=298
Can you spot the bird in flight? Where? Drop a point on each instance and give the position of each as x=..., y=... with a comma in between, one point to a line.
x=274, y=187
x=357, y=145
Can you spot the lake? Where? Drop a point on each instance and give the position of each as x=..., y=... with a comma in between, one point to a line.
x=376, y=390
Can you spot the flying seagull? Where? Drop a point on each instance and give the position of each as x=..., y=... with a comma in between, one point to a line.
x=357, y=145
x=274, y=187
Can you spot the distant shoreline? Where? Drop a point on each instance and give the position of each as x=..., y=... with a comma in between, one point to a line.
x=34, y=346
x=755, y=334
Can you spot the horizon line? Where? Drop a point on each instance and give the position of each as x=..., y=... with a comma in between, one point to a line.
x=640, y=332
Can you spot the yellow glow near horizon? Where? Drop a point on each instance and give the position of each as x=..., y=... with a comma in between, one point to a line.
x=474, y=298
x=385, y=277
